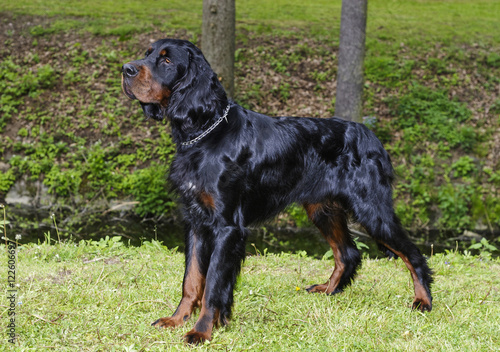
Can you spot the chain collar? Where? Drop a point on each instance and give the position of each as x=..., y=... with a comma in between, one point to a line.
x=210, y=129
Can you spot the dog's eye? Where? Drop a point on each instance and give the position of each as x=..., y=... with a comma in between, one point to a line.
x=167, y=60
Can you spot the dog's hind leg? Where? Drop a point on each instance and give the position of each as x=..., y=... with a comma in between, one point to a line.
x=384, y=226
x=331, y=220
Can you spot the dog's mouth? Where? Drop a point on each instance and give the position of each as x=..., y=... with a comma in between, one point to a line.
x=126, y=89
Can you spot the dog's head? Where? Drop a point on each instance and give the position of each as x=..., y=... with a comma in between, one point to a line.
x=174, y=80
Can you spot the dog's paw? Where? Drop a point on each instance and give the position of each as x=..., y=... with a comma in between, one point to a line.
x=168, y=322
x=196, y=337
x=316, y=289
x=324, y=288
x=422, y=305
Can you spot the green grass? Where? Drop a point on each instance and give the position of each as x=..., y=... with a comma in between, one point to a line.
x=394, y=20
x=95, y=296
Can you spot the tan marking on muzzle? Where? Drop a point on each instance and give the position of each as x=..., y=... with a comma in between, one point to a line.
x=146, y=88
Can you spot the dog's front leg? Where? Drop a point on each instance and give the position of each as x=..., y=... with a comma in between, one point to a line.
x=192, y=286
x=225, y=263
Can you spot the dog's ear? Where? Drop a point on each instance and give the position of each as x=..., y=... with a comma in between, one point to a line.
x=197, y=96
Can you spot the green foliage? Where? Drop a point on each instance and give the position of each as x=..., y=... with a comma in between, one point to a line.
x=494, y=176
x=39, y=157
x=96, y=171
x=3, y=221
x=253, y=93
x=282, y=91
x=419, y=175
x=149, y=186
x=387, y=71
x=46, y=76
x=463, y=167
x=100, y=174
x=495, y=107
x=64, y=182
x=7, y=179
x=454, y=201
x=17, y=81
x=426, y=114
x=23, y=132
x=164, y=147
x=320, y=76
x=278, y=65
x=438, y=66
x=484, y=247
x=298, y=215
x=493, y=60
x=433, y=128
x=107, y=242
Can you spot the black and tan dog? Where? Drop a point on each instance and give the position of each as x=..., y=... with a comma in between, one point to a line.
x=234, y=167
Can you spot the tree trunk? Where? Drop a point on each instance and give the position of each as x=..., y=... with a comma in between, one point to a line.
x=349, y=100
x=217, y=41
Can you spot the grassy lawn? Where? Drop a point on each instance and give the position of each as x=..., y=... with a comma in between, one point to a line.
x=391, y=20
x=103, y=296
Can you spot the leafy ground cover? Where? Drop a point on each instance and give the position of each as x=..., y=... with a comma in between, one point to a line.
x=103, y=295
x=431, y=95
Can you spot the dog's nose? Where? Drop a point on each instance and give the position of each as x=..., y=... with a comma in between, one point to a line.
x=130, y=70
